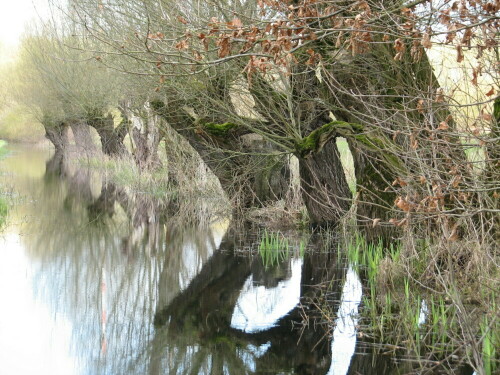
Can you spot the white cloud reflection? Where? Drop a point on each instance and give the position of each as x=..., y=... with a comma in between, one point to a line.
x=259, y=308
x=344, y=334
x=32, y=340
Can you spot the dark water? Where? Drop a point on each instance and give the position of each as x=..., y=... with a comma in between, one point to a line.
x=97, y=280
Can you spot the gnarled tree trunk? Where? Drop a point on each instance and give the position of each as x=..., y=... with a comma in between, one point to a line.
x=82, y=136
x=146, y=136
x=111, y=137
x=57, y=135
x=324, y=187
x=249, y=173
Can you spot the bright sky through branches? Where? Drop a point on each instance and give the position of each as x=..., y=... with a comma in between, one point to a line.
x=15, y=14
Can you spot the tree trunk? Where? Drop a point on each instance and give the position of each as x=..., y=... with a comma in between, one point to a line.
x=146, y=136
x=58, y=135
x=325, y=190
x=492, y=174
x=82, y=136
x=247, y=170
x=493, y=151
x=324, y=186
x=374, y=200
x=111, y=137
x=399, y=100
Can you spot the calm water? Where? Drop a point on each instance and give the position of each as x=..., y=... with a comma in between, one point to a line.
x=97, y=280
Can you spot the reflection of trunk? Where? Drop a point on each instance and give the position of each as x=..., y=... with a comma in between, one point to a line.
x=79, y=187
x=78, y=181
x=200, y=316
x=104, y=206
x=82, y=136
x=325, y=190
x=214, y=289
x=58, y=135
x=111, y=137
x=54, y=166
x=368, y=359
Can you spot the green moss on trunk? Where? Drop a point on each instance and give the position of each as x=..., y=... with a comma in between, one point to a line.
x=319, y=137
x=218, y=130
x=372, y=141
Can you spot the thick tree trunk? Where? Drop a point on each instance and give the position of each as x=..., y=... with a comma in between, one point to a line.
x=324, y=187
x=82, y=136
x=146, y=136
x=380, y=96
x=111, y=137
x=374, y=199
x=248, y=171
x=58, y=136
x=272, y=181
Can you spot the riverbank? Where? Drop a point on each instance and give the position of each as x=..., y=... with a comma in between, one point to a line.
x=18, y=125
x=2, y=147
x=3, y=200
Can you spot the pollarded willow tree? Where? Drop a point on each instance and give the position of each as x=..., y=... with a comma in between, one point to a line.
x=66, y=88
x=200, y=107
x=296, y=75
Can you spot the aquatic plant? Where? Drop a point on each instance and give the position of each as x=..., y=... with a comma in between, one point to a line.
x=273, y=248
x=3, y=211
x=433, y=318
x=490, y=335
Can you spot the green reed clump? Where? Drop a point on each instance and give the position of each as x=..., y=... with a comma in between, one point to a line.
x=3, y=211
x=273, y=248
x=3, y=203
x=435, y=321
x=490, y=336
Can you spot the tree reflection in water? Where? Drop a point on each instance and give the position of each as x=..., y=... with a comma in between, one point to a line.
x=147, y=293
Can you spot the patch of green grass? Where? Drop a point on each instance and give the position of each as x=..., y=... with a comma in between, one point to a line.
x=273, y=248
x=490, y=343
x=4, y=208
x=400, y=312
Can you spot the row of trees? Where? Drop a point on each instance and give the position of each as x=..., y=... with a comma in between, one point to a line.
x=250, y=83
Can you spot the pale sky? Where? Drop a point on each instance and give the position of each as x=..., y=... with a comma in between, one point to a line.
x=14, y=14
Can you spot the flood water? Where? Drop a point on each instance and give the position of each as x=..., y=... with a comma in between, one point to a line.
x=97, y=280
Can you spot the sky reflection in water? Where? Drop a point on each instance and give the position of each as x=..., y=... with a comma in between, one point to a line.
x=76, y=301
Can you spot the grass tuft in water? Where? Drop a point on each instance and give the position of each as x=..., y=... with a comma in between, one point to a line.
x=436, y=322
x=274, y=248
x=4, y=207
x=490, y=342
x=3, y=212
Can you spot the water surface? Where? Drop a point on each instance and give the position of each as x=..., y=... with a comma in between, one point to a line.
x=96, y=279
